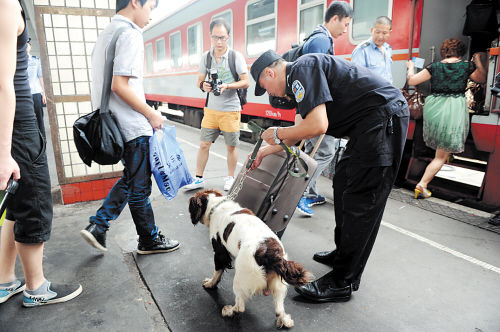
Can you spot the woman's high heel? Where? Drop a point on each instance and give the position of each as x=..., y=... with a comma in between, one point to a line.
x=420, y=191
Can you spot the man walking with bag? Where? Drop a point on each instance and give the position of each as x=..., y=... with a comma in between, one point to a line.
x=337, y=19
x=136, y=120
x=222, y=112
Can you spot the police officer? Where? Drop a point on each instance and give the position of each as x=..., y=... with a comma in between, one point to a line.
x=339, y=98
x=375, y=54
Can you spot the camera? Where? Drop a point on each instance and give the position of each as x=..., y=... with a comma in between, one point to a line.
x=215, y=82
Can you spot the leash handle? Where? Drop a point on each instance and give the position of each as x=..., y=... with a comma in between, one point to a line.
x=11, y=189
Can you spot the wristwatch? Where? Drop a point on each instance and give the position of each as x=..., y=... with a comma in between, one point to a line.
x=275, y=134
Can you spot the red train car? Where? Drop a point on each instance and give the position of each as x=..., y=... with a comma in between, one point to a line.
x=175, y=44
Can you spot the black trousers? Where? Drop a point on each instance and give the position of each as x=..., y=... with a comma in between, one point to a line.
x=38, y=105
x=363, y=180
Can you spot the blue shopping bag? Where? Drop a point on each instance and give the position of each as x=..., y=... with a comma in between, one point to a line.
x=168, y=164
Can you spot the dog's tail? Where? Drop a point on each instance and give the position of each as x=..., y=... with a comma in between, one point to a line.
x=271, y=256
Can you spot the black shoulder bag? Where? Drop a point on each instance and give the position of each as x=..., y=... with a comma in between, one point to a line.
x=97, y=136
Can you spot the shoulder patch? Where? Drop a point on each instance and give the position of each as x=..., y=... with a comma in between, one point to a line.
x=365, y=44
x=298, y=91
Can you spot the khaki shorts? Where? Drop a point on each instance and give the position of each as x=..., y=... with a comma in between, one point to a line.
x=215, y=122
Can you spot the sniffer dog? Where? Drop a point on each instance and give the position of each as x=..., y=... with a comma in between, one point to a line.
x=260, y=261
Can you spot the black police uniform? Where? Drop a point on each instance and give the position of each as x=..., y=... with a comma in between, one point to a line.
x=374, y=115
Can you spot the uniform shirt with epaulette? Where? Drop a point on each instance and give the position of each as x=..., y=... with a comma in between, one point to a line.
x=368, y=55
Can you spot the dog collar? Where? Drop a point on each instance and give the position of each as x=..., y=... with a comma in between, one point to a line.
x=215, y=207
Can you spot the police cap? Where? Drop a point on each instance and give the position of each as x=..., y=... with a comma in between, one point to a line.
x=263, y=61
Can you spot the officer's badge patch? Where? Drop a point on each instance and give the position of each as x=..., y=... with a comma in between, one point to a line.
x=298, y=91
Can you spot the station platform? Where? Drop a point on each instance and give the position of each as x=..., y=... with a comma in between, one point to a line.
x=429, y=270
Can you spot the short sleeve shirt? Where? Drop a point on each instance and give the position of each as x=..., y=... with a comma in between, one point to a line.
x=228, y=101
x=450, y=78
x=368, y=55
x=34, y=74
x=350, y=92
x=129, y=62
x=320, y=42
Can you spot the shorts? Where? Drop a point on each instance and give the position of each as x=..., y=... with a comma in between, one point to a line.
x=215, y=122
x=31, y=206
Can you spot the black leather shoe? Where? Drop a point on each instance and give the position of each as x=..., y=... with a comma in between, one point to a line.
x=326, y=289
x=95, y=236
x=324, y=257
x=495, y=221
x=158, y=245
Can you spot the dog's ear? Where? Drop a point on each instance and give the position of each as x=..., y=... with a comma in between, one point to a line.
x=197, y=207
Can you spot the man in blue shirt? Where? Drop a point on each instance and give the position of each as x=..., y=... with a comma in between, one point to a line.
x=337, y=19
x=375, y=54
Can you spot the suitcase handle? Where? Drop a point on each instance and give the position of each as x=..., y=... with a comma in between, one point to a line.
x=289, y=151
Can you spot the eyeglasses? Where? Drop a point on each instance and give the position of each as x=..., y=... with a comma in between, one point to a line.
x=220, y=38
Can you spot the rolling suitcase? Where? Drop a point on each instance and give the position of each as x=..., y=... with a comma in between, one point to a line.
x=273, y=190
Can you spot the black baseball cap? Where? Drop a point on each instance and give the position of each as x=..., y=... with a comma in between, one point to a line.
x=263, y=61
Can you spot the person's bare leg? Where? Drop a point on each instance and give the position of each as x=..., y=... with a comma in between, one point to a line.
x=7, y=252
x=202, y=158
x=433, y=167
x=31, y=256
x=232, y=159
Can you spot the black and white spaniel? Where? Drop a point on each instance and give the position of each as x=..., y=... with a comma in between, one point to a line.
x=260, y=261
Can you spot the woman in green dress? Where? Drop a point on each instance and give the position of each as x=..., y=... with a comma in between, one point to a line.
x=446, y=117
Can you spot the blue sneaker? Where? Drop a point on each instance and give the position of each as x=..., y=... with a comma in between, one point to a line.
x=9, y=290
x=304, y=208
x=196, y=184
x=53, y=293
x=318, y=200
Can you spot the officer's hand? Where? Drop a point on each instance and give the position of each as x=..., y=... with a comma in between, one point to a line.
x=156, y=119
x=8, y=167
x=268, y=136
x=207, y=87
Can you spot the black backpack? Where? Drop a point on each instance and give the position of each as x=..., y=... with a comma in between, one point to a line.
x=242, y=93
x=291, y=55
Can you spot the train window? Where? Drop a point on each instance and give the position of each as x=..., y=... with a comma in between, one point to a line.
x=160, y=54
x=195, y=43
x=175, y=49
x=149, y=58
x=366, y=13
x=310, y=15
x=228, y=16
x=261, y=26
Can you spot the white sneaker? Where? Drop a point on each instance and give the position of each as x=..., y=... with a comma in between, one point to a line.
x=196, y=184
x=229, y=180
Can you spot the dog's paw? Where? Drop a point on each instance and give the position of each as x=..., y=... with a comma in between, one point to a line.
x=209, y=283
x=228, y=311
x=284, y=321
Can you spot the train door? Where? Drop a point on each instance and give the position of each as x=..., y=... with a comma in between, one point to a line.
x=464, y=176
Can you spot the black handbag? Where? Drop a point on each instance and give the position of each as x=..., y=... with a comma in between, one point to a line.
x=96, y=135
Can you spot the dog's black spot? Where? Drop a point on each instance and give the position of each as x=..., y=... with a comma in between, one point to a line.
x=244, y=211
x=222, y=258
x=269, y=254
x=228, y=230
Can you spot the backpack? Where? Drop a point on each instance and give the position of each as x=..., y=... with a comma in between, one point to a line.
x=290, y=56
x=242, y=93
x=297, y=51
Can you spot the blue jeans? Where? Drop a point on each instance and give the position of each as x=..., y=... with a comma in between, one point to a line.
x=134, y=188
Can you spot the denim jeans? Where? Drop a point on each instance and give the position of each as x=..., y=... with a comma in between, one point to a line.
x=134, y=188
